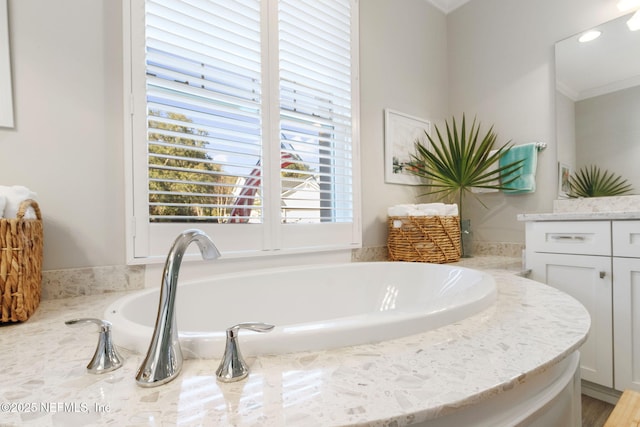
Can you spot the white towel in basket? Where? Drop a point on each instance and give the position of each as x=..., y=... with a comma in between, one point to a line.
x=14, y=196
x=425, y=209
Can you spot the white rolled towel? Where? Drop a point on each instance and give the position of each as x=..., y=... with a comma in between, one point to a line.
x=451, y=210
x=438, y=209
x=14, y=196
x=402, y=210
x=424, y=209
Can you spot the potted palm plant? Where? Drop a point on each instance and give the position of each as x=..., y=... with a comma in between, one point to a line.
x=591, y=181
x=459, y=160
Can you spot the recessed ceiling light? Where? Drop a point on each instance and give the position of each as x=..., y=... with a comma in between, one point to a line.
x=634, y=22
x=624, y=5
x=589, y=36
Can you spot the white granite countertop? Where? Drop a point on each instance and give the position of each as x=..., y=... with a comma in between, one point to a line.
x=43, y=381
x=589, y=209
x=578, y=216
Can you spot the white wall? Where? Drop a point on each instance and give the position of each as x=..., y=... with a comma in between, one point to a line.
x=501, y=68
x=608, y=133
x=402, y=67
x=67, y=142
x=493, y=58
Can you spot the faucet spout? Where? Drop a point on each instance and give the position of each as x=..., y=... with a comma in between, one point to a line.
x=163, y=361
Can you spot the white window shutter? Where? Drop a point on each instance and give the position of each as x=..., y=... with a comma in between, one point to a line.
x=204, y=107
x=315, y=110
x=218, y=155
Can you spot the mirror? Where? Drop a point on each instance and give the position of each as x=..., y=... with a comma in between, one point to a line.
x=6, y=97
x=598, y=100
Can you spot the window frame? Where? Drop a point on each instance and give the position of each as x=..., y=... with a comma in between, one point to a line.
x=149, y=242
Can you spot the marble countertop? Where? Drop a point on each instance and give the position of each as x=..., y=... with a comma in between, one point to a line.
x=589, y=208
x=578, y=216
x=397, y=382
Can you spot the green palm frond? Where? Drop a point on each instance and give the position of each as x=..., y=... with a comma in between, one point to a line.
x=453, y=164
x=591, y=181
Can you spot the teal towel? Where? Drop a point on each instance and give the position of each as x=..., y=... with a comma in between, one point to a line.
x=526, y=183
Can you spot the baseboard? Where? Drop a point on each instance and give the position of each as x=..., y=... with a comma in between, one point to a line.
x=599, y=392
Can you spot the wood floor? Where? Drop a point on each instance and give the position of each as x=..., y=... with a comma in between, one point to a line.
x=594, y=412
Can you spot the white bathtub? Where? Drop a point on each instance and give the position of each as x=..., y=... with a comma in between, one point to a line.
x=313, y=307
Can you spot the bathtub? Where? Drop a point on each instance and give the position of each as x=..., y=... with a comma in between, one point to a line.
x=313, y=307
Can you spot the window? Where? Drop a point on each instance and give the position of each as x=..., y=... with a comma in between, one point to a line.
x=243, y=122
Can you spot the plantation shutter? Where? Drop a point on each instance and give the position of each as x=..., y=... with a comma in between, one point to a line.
x=247, y=130
x=315, y=110
x=203, y=65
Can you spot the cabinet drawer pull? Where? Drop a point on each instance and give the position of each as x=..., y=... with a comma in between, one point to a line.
x=602, y=274
x=567, y=237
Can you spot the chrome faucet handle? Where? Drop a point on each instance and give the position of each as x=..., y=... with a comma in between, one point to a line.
x=233, y=367
x=106, y=357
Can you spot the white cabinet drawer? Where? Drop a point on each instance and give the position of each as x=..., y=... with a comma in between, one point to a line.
x=570, y=237
x=626, y=238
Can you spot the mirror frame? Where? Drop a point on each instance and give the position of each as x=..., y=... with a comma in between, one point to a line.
x=6, y=89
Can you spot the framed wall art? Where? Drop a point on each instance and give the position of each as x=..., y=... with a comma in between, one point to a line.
x=6, y=91
x=401, y=131
x=564, y=171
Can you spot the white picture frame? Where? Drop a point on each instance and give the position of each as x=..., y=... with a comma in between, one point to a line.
x=564, y=172
x=6, y=88
x=401, y=131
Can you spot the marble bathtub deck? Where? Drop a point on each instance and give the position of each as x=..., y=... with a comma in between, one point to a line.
x=394, y=383
x=578, y=216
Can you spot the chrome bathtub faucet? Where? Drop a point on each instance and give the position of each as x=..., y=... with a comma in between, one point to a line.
x=233, y=367
x=106, y=357
x=163, y=361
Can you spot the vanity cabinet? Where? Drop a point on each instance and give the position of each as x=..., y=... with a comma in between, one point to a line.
x=598, y=263
x=626, y=304
x=575, y=257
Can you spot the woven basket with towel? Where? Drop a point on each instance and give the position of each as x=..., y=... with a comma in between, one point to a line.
x=21, y=241
x=424, y=233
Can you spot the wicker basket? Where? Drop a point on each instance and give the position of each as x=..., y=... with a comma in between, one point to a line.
x=20, y=264
x=433, y=239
